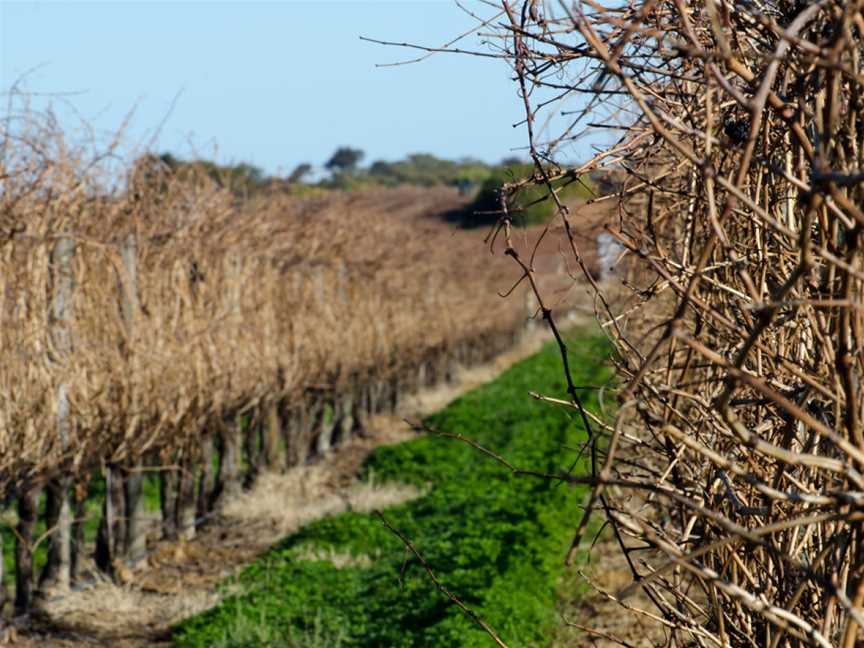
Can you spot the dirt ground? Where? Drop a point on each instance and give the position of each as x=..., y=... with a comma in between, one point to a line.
x=180, y=579
x=596, y=618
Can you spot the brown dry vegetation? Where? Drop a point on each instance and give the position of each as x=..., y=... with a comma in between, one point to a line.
x=293, y=295
x=733, y=476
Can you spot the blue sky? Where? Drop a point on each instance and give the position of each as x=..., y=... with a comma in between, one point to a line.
x=271, y=83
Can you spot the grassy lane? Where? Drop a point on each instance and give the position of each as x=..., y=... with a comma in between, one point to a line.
x=494, y=540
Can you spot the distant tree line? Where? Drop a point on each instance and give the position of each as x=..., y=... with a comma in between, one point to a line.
x=478, y=180
x=344, y=172
x=237, y=177
x=422, y=169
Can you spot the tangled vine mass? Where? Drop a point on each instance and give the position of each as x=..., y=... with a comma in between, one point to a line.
x=732, y=476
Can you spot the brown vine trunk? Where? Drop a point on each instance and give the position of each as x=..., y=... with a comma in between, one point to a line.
x=57, y=573
x=274, y=450
x=292, y=435
x=78, y=522
x=207, y=477
x=28, y=500
x=168, y=502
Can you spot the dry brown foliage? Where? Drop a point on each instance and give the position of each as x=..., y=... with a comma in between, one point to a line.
x=738, y=452
x=228, y=306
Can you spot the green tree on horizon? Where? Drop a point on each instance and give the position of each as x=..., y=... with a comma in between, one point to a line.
x=345, y=159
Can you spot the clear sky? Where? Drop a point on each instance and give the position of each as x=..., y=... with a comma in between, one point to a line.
x=271, y=83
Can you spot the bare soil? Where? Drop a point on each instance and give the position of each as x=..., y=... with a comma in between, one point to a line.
x=597, y=618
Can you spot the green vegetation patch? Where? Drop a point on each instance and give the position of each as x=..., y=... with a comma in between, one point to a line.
x=494, y=540
x=531, y=205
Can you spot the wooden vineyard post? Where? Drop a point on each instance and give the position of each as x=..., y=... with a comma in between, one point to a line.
x=274, y=450
x=229, y=479
x=346, y=419
x=78, y=526
x=322, y=432
x=121, y=532
x=186, y=503
x=57, y=573
x=134, y=540
x=207, y=476
x=324, y=439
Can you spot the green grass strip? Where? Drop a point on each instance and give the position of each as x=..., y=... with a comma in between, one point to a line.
x=496, y=541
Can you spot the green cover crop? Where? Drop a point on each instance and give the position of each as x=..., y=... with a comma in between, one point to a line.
x=495, y=540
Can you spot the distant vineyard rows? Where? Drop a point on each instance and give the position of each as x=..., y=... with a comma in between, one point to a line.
x=162, y=321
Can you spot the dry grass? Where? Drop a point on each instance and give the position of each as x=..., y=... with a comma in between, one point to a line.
x=307, y=493
x=105, y=607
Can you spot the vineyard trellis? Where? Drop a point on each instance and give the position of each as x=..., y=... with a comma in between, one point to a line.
x=153, y=323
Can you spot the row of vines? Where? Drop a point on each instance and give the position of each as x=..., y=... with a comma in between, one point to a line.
x=163, y=326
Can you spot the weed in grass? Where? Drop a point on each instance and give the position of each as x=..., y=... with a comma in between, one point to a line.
x=251, y=629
